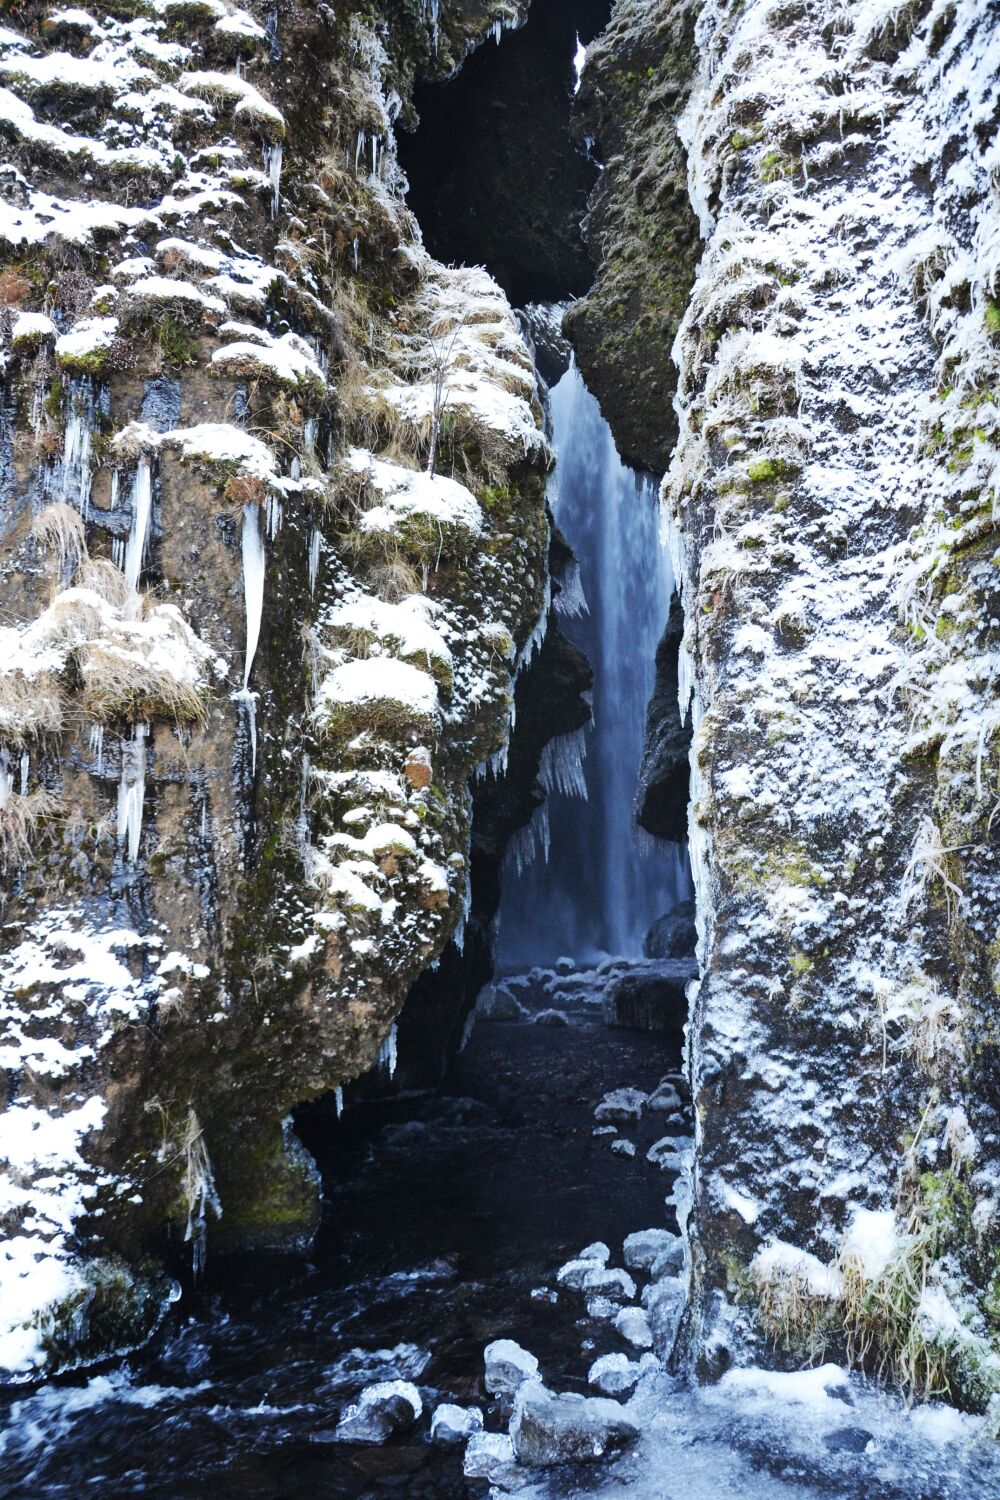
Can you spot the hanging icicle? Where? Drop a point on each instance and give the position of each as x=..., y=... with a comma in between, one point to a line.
x=132, y=792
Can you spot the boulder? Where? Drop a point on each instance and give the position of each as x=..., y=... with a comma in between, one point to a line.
x=617, y=1375
x=382, y=1409
x=664, y=1301
x=674, y=935
x=507, y=1367
x=549, y=1428
x=623, y=1148
x=498, y=1004
x=633, y=1325
x=621, y=1106
x=642, y=1249
x=665, y=1100
x=667, y=1153
x=452, y=1425
x=603, y=1281
x=490, y=1455
x=650, y=997
x=597, y=1250
x=670, y=1262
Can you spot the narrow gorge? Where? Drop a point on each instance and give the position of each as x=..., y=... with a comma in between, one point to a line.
x=500, y=748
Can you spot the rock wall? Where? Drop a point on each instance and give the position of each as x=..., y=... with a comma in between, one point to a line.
x=272, y=545
x=832, y=511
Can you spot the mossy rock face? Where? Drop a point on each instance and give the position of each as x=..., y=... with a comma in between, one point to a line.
x=641, y=230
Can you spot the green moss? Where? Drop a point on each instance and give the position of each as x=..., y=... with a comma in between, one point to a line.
x=992, y=316
x=768, y=470
x=176, y=344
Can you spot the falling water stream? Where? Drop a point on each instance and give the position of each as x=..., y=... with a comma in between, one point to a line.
x=595, y=881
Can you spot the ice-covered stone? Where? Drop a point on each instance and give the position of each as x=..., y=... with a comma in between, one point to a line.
x=641, y=1249
x=452, y=1425
x=382, y=1409
x=617, y=1375
x=623, y=1147
x=490, y=1455
x=507, y=1367
x=598, y=1251
x=549, y=1428
x=633, y=1325
x=621, y=1106
x=607, y=1281
x=670, y=1262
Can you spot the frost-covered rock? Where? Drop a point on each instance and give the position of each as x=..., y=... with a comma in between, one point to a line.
x=621, y=1106
x=548, y=1429
x=507, y=1367
x=633, y=1325
x=382, y=1409
x=490, y=1455
x=617, y=1375
x=642, y=1249
x=452, y=1425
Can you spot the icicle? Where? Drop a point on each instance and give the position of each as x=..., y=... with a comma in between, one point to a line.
x=204, y=819
x=310, y=427
x=579, y=59
x=356, y=261
x=359, y=147
x=6, y=779
x=274, y=515
x=561, y=766
x=132, y=791
x=315, y=549
x=114, y=489
x=388, y=1053
x=571, y=601
x=138, y=537
x=253, y=583
x=497, y=30
x=338, y=1100
x=25, y=768
x=97, y=746
x=272, y=165
x=77, y=443
x=374, y=155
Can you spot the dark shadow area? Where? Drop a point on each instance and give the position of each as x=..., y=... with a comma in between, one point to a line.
x=495, y=178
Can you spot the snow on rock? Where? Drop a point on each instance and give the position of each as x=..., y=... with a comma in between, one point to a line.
x=507, y=1367
x=415, y=496
x=643, y=1248
x=549, y=1428
x=388, y=689
x=617, y=1375
x=633, y=1325
x=382, y=1409
x=452, y=1425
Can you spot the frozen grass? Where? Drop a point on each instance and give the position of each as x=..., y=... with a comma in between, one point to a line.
x=21, y=817
x=60, y=527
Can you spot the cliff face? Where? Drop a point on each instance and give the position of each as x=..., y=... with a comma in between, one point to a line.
x=832, y=511
x=255, y=637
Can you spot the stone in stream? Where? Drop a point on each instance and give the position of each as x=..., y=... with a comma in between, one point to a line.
x=549, y=1428
x=642, y=1249
x=623, y=1148
x=598, y=1251
x=673, y=935
x=670, y=1262
x=633, y=1325
x=665, y=1100
x=382, y=1409
x=605, y=1281
x=490, y=1455
x=664, y=1302
x=621, y=1106
x=651, y=997
x=452, y=1425
x=617, y=1375
x=602, y=1308
x=665, y=1154
x=552, y=1017
x=507, y=1367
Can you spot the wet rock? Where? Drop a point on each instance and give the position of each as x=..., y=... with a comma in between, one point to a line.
x=602, y=1309
x=498, y=1004
x=621, y=1106
x=651, y=997
x=552, y=1017
x=623, y=1148
x=673, y=935
x=549, y=1428
x=633, y=1325
x=617, y=1375
x=605, y=1130
x=382, y=1409
x=452, y=1425
x=847, y=1440
x=507, y=1367
x=642, y=1249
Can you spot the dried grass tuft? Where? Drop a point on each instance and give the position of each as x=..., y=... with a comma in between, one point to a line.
x=20, y=818
x=117, y=685
x=61, y=527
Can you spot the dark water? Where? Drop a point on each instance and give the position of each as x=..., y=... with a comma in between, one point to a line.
x=442, y=1215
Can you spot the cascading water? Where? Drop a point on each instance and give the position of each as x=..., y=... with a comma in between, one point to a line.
x=603, y=881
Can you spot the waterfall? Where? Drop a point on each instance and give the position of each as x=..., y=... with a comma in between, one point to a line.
x=138, y=538
x=603, y=881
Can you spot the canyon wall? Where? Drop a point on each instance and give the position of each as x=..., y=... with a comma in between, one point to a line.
x=272, y=548
x=832, y=512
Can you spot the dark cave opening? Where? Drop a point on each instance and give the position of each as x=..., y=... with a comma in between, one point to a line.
x=495, y=177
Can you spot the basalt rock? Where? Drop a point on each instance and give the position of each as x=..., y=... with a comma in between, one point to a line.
x=661, y=797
